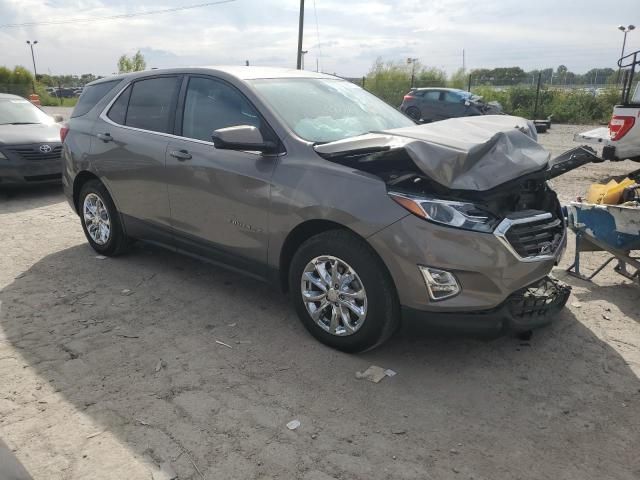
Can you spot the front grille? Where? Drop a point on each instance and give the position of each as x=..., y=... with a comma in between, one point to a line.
x=534, y=237
x=34, y=153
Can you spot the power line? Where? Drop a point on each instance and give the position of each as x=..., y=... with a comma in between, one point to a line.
x=113, y=17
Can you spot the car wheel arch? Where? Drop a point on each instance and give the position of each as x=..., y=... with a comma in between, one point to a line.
x=80, y=179
x=304, y=231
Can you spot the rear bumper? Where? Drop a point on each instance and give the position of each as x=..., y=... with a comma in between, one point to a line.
x=526, y=309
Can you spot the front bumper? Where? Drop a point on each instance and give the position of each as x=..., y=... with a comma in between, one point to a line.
x=31, y=166
x=487, y=270
x=526, y=309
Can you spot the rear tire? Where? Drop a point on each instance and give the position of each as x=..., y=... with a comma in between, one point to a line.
x=364, y=285
x=101, y=220
x=413, y=113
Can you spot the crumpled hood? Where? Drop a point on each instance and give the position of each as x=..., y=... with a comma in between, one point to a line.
x=467, y=153
x=26, y=134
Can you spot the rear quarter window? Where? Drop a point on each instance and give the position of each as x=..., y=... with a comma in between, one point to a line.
x=91, y=95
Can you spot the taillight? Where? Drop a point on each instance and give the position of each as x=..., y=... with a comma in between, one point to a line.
x=64, y=130
x=620, y=125
x=408, y=97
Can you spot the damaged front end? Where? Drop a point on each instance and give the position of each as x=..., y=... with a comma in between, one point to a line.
x=530, y=307
x=485, y=174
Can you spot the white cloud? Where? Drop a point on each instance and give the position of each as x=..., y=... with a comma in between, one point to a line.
x=352, y=34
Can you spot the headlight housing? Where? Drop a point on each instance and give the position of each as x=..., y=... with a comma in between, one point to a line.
x=466, y=216
x=2, y=156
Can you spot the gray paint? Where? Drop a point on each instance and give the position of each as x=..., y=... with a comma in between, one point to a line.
x=243, y=205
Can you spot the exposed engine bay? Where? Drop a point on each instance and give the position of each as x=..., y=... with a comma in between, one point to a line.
x=494, y=162
x=396, y=168
x=485, y=174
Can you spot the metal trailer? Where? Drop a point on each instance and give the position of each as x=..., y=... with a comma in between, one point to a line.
x=614, y=229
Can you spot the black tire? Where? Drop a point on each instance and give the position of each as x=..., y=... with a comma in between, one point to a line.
x=413, y=113
x=382, y=316
x=117, y=242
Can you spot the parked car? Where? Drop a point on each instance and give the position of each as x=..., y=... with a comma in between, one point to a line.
x=30, y=147
x=432, y=104
x=272, y=172
x=65, y=92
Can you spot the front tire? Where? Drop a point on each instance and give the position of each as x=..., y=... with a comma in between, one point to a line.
x=100, y=220
x=342, y=292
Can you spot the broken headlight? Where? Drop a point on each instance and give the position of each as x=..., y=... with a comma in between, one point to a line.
x=448, y=212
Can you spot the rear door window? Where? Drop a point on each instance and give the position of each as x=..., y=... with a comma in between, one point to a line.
x=151, y=104
x=432, y=95
x=91, y=95
x=452, y=97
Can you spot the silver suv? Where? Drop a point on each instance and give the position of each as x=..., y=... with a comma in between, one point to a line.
x=312, y=184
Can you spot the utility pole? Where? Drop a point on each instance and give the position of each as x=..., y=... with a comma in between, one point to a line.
x=33, y=58
x=300, y=32
x=412, y=62
x=535, y=107
x=463, y=62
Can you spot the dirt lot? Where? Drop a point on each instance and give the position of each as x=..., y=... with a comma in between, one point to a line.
x=110, y=368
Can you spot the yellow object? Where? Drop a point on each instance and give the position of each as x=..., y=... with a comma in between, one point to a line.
x=608, y=194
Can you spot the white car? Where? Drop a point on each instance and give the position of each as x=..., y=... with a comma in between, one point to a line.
x=621, y=139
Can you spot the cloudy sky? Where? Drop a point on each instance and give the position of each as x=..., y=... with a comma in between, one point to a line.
x=346, y=39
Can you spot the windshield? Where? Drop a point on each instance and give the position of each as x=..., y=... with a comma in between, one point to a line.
x=17, y=111
x=324, y=110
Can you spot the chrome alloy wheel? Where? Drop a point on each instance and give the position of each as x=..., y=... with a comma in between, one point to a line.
x=96, y=219
x=334, y=295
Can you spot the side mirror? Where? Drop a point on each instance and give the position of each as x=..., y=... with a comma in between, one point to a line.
x=242, y=137
x=58, y=118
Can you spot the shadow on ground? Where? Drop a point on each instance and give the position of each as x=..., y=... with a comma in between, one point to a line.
x=624, y=294
x=17, y=199
x=131, y=343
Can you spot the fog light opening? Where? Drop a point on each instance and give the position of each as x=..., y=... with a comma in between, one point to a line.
x=440, y=283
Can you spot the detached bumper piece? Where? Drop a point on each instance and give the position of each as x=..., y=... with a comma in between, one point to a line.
x=526, y=309
x=572, y=159
x=538, y=303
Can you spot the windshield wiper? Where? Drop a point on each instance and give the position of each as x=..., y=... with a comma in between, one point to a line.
x=20, y=123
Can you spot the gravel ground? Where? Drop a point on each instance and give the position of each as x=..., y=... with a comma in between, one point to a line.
x=110, y=370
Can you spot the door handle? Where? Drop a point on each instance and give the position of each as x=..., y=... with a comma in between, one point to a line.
x=105, y=137
x=181, y=155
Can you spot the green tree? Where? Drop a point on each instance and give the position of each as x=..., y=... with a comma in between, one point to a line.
x=430, y=77
x=389, y=81
x=135, y=63
x=5, y=75
x=459, y=79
